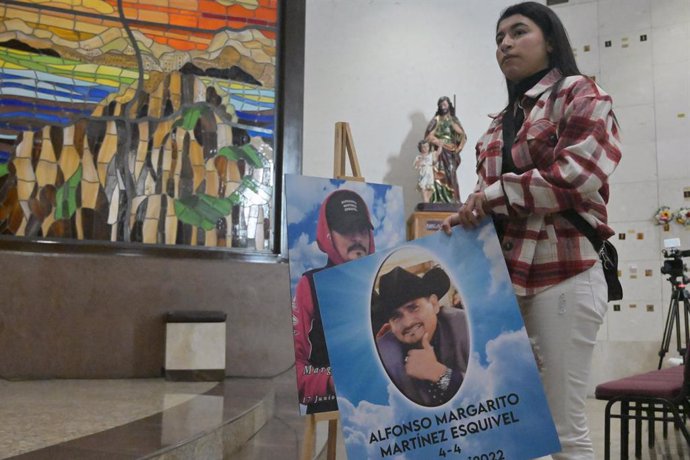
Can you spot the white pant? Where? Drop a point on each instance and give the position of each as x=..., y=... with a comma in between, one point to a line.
x=562, y=323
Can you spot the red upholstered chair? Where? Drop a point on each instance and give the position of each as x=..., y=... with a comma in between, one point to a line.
x=660, y=395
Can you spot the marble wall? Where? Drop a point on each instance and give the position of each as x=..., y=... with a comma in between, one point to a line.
x=635, y=49
x=103, y=316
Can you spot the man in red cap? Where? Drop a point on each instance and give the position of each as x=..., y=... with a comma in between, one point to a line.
x=426, y=348
x=344, y=232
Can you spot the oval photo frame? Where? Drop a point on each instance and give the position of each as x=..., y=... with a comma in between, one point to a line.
x=420, y=327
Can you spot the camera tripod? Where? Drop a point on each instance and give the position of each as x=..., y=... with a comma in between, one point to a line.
x=679, y=294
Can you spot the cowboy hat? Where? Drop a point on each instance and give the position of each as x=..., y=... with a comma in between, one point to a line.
x=399, y=286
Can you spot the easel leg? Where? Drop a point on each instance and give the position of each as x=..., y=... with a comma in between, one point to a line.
x=309, y=437
x=332, y=439
x=309, y=447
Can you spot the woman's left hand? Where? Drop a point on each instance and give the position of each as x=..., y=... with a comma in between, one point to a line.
x=449, y=222
x=473, y=210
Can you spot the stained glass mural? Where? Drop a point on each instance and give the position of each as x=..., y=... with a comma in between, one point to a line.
x=138, y=120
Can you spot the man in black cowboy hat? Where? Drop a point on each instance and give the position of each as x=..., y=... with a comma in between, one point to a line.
x=426, y=349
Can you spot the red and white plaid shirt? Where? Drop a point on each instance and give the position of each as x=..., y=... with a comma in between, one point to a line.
x=565, y=151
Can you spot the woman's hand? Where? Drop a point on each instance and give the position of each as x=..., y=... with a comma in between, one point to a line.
x=450, y=222
x=473, y=210
x=470, y=213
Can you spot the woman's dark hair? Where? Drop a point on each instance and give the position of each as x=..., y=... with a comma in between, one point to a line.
x=561, y=55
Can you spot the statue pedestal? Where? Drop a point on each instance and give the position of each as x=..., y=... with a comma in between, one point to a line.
x=428, y=218
x=437, y=207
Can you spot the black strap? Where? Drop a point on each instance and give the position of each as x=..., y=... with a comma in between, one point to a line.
x=509, y=130
x=507, y=165
x=584, y=227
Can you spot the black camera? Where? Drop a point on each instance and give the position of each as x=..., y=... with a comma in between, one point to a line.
x=674, y=266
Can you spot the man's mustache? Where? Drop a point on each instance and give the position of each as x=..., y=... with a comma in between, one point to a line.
x=355, y=247
x=409, y=328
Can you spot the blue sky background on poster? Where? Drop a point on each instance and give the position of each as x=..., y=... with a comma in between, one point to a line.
x=305, y=196
x=501, y=361
x=507, y=351
x=494, y=255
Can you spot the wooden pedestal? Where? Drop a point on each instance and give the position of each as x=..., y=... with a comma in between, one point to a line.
x=423, y=223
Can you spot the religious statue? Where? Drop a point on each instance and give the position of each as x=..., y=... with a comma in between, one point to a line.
x=446, y=135
x=425, y=164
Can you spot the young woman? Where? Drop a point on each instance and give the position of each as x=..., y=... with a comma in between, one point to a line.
x=550, y=150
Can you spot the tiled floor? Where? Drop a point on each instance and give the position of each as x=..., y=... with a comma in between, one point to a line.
x=40, y=413
x=36, y=414
x=133, y=419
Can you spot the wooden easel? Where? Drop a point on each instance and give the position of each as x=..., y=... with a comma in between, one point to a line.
x=344, y=149
x=310, y=434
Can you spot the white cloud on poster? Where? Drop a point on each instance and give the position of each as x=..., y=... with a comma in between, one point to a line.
x=367, y=418
x=359, y=422
x=364, y=190
x=386, y=211
x=304, y=255
x=302, y=194
x=510, y=364
x=494, y=254
x=508, y=356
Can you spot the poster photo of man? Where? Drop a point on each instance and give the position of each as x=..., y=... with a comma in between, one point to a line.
x=422, y=339
x=330, y=222
x=429, y=353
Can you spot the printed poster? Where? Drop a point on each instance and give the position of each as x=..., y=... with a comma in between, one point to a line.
x=330, y=222
x=430, y=355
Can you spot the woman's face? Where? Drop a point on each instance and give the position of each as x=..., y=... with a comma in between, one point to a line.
x=521, y=49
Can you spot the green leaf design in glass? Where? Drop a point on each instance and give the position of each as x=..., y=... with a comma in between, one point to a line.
x=204, y=210
x=247, y=151
x=190, y=117
x=66, y=196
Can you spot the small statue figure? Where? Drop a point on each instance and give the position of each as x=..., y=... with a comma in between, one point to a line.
x=448, y=137
x=424, y=163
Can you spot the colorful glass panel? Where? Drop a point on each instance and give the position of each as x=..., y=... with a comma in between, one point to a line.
x=145, y=121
